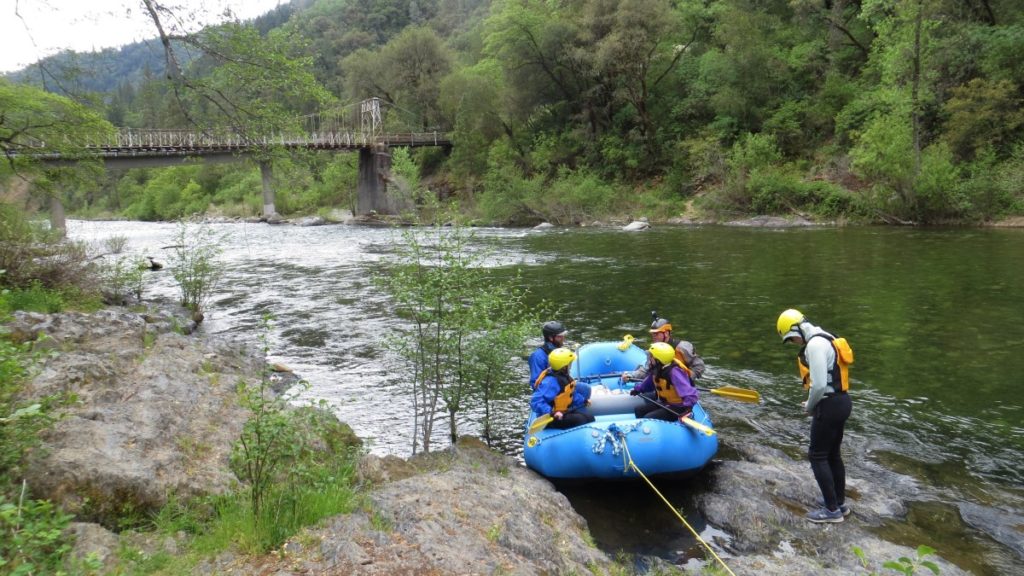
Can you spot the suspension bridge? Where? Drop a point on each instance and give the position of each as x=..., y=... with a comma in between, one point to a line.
x=364, y=132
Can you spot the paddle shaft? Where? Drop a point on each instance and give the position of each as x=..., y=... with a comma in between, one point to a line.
x=687, y=420
x=741, y=394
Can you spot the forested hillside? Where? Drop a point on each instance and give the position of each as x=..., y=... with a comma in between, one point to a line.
x=873, y=110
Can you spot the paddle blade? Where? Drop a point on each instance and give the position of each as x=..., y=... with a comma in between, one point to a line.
x=627, y=340
x=698, y=426
x=741, y=394
x=540, y=423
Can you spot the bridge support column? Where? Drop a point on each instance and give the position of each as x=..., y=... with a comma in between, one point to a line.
x=58, y=222
x=374, y=172
x=268, y=193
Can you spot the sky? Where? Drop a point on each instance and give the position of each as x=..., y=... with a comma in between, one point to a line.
x=33, y=29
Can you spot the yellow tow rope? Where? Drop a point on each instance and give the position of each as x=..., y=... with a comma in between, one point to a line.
x=633, y=465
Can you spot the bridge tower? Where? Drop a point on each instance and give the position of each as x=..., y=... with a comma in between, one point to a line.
x=374, y=162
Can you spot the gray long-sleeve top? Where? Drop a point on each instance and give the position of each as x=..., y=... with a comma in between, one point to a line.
x=820, y=356
x=690, y=358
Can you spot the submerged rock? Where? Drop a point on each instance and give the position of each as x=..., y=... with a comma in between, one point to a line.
x=636, y=226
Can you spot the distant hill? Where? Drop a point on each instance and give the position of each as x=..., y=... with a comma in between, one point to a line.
x=107, y=70
x=102, y=71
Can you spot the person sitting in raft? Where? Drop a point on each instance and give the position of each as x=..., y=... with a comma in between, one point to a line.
x=661, y=331
x=670, y=378
x=557, y=394
x=554, y=337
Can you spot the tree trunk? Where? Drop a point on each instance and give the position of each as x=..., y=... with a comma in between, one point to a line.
x=835, y=35
x=453, y=432
x=915, y=104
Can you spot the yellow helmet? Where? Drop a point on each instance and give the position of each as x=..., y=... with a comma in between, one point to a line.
x=560, y=358
x=663, y=352
x=787, y=320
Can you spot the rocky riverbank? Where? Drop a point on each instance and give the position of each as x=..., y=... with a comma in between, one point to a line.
x=156, y=414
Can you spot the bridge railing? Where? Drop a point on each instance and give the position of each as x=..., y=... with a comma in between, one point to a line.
x=186, y=140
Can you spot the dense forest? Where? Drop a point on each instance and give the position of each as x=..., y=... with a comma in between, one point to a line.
x=900, y=111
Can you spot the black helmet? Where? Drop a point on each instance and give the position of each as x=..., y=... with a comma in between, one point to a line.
x=553, y=328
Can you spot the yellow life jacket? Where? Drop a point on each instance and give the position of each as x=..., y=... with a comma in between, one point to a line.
x=564, y=398
x=840, y=370
x=666, y=391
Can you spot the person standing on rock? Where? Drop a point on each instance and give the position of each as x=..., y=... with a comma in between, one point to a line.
x=554, y=337
x=661, y=331
x=558, y=395
x=822, y=362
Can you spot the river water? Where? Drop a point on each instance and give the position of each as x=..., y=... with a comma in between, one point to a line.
x=936, y=318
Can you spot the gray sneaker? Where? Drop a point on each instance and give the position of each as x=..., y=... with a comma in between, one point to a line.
x=842, y=507
x=823, y=515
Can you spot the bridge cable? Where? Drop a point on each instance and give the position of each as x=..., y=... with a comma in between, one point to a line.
x=633, y=465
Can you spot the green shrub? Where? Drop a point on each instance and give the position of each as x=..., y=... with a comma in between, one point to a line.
x=506, y=190
x=238, y=186
x=573, y=196
x=31, y=540
x=35, y=298
x=124, y=277
x=1009, y=184
x=194, y=263
x=903, y=565
x=774, y=191
x=115, y=244
x=884, y=153
x=20, y=421
x=30, y=254
x=937, y=190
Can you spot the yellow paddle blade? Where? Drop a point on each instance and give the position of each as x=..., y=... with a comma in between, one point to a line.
x=741, y=394
x=626, y=341
x=540, y=423
x=698, y=426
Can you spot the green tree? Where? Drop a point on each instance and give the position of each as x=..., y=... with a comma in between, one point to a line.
x=461, y=327
x=34, y=124
x=641, y=45
x=406, y=72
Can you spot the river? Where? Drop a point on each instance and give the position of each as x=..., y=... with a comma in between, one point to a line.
x=935, y=316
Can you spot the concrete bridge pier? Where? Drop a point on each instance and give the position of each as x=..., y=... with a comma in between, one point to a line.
x=268, y=192
x=374, y=172
x=58, y=222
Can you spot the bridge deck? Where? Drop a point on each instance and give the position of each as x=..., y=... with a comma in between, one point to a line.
x=150, y=143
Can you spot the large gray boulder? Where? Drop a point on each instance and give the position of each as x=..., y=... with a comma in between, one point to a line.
x=464, y=511
x=154, y=414
x=760, y=498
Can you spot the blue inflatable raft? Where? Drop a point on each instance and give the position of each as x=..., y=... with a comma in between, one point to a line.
x=599, y=450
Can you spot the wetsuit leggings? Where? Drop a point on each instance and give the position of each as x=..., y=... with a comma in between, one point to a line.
x=827, y=426
x=570, y=419
x=652, y=410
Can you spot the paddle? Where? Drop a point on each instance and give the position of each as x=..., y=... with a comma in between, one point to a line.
x=540, y=423
x=731, y=392
x=688, y=421
x=593, y=377
x=741, y=394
